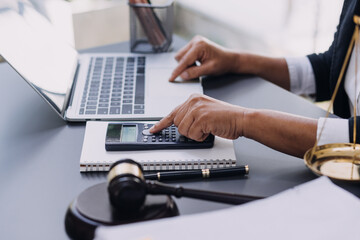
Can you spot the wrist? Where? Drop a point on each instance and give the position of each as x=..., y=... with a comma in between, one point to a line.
x=242, y=63
x=234, y=62
x=241, y=121
x=247, y=121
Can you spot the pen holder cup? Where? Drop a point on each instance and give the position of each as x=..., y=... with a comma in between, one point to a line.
x=151, y=26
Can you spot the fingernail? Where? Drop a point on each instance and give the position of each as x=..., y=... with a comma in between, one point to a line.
x=184, y=75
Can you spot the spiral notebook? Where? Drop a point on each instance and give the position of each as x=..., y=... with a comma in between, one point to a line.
x=94, y=157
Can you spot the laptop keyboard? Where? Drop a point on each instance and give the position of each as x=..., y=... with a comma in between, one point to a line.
x=114, y=85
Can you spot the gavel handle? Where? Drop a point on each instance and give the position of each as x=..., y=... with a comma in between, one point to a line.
x=154, y=187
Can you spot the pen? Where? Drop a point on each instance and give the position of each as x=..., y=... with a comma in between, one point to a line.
x=201, y=173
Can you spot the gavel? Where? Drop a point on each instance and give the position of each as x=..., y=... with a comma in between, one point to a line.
x=127, y=189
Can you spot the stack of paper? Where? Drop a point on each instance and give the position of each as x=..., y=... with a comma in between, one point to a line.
x=315, y=210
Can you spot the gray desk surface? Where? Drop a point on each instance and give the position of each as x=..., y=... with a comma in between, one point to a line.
x=39, y=155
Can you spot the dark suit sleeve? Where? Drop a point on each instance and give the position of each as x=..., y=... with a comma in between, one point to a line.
x=321, y=64
x=351, y=129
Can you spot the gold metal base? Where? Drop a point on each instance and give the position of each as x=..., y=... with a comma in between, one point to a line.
x=339, y=161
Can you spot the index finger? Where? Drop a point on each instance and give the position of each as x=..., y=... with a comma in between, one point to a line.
x=188, y=60
x=165, y=122
x=183, y=51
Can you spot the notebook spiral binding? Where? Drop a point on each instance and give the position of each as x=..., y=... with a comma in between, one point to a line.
x=189, y=164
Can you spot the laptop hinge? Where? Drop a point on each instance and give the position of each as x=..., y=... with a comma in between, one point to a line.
x=70, y=95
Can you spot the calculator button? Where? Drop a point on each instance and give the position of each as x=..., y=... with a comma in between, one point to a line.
x=146, y=132
x=160, y=140
x=173, y=139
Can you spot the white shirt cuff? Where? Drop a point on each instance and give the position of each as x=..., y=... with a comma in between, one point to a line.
x=336, y=130
x=302, y=78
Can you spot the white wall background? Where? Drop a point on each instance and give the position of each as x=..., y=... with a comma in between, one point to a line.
x=273, y=27
x=276, y=27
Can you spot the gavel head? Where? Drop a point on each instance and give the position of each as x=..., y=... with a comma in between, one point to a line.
x=126, y=185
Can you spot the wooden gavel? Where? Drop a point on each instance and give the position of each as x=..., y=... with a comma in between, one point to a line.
x=128, y=188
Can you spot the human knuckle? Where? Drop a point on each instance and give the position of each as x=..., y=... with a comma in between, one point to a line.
x=212, y=65
x=176, y=121
x=196, y=137
x=200, y=139
x=200, y=44
x=191, y=132
x=182, y=130
x=190, y=72
x=199, y=102
x=202, y=115
x=169, y=117
x=197, y=38
x=195, y=96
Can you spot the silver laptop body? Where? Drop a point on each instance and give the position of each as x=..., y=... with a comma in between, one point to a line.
x=83, y=87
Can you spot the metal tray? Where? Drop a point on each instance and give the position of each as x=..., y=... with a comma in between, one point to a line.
x=339, y=161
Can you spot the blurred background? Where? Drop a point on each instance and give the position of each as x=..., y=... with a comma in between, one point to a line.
x=281, y=27
x=267, y=27
x=276, y=27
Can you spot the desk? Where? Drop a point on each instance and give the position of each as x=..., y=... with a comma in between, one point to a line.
x=39, y=154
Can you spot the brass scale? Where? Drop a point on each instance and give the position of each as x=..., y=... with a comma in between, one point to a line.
x=339, y=161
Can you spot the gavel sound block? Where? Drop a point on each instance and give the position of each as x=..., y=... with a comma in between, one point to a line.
x=128, y=197
x=92, y=209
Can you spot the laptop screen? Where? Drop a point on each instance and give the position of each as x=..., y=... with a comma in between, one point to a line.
x=44, y=61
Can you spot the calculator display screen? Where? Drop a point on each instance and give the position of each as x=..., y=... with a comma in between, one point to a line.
x=128, y=133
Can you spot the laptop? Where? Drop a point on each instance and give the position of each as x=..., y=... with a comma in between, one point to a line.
x=80, y=87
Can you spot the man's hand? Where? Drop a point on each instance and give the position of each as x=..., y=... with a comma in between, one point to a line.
x=214, y=59
x=201, y=115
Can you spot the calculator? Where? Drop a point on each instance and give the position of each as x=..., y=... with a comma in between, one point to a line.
x=136, y=136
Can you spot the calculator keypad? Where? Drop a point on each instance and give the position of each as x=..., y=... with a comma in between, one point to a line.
x=168, y=138
x=166, y=135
